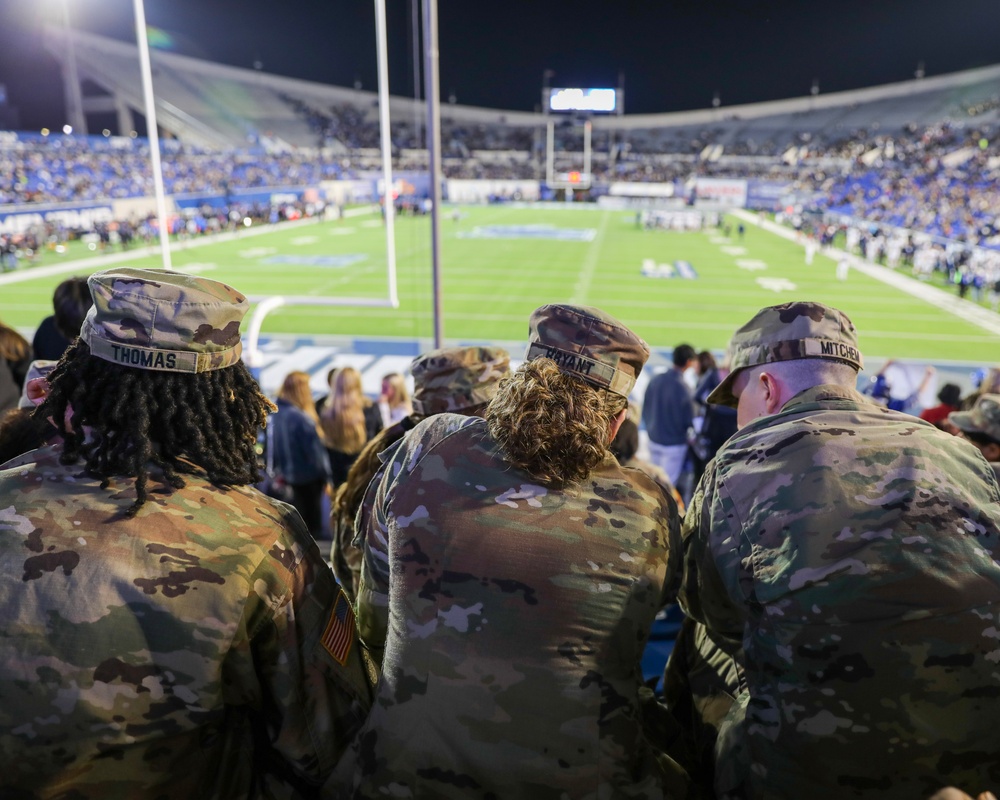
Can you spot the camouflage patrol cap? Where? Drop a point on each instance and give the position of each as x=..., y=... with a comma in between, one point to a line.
x=456, y=378
x=588, y=343
x=983, y=417
x=160, y=320
x=786, y=333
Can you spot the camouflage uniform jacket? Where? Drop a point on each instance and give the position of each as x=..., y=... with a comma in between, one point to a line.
x=193, y=651
x=847, y=555
x=514, y=618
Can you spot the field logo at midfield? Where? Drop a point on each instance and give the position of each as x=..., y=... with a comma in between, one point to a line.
x=679, y=269
x=335, y=262
x=530, y=232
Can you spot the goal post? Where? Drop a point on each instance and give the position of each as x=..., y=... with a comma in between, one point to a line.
x=575, y=107
x=265, y=305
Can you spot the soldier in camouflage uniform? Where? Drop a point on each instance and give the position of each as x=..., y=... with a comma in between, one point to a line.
x=512, y=571
x=460, y=380
x=842, y=561
x=981, y=426
x=168, y=631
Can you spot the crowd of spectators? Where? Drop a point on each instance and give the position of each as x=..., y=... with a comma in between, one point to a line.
x=942, y=181
x=57, y=169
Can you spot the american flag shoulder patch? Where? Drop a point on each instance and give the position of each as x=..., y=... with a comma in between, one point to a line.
x=339, y=634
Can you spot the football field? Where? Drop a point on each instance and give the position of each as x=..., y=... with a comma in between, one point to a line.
x=500, y=262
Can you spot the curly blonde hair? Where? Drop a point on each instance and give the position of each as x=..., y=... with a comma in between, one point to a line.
x=550, y=424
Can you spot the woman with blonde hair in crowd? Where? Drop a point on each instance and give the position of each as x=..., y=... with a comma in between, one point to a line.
x=296, y=454
x=15, y=358
x=348, y=421
x=394, y=403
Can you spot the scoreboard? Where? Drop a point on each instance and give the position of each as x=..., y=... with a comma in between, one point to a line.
x=587, y=101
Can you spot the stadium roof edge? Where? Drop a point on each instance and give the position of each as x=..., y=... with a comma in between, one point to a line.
x=89, y=45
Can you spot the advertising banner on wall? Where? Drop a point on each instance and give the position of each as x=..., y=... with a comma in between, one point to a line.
x=637, y=189
x=18, y=219
x=721, y=191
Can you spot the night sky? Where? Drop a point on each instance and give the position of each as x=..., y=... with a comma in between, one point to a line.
x=672, y=55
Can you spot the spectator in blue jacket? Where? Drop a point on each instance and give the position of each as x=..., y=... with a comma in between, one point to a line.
x=298, y=456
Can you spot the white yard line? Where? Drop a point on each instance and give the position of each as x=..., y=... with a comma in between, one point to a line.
x=582, y=288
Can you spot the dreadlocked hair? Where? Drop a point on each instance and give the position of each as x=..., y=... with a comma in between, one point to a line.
x=550, y=424
x=140, y=416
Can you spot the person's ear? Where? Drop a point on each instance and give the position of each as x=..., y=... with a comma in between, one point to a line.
x=773, y=399
x=991, y=452
x=616, y=423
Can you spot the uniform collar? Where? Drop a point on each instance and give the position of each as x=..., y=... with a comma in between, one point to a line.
x=824, y=393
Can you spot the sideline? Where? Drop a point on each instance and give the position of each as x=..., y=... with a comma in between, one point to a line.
x=965, y=310
x=94, y=262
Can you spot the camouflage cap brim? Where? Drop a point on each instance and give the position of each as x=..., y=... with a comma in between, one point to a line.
x=963, y=421
x=792, y=350
x=722, y=395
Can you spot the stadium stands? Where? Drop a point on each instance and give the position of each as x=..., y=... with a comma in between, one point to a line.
x=916, y=156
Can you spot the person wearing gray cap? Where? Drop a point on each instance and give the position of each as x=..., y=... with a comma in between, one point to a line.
x=512, y=572
x=981, y=426
x=460, y=380
x=167, y=630
x=842, y=571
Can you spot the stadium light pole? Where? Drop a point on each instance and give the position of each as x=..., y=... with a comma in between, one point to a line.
x=74, y=95
x=433, y=156
x=151, y=130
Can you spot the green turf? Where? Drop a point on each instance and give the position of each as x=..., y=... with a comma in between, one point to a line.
x=491, y=285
